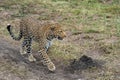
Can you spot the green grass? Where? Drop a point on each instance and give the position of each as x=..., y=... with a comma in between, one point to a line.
x=93, y=15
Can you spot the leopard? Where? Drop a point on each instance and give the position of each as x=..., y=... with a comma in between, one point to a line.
x=43, y=33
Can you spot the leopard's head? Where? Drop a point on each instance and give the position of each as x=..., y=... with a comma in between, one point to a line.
x=57, y=31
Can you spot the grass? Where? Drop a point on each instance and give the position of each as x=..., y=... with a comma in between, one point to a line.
x=98, y=19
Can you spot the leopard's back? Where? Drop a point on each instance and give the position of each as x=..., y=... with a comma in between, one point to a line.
x=29, y=26
x=35, y=28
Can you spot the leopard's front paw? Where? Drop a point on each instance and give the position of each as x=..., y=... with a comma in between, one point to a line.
x=31, y=58
x=22, y=52
x=51, y=67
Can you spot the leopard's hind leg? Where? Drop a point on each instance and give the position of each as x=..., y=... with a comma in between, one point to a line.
x=26, y=48
x=23, y=47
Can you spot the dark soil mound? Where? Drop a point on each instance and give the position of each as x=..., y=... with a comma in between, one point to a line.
x=83, y=63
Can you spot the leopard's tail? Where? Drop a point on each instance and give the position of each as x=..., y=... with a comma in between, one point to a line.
x=12, y=34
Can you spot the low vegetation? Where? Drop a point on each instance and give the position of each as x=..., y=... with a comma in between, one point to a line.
x=92, y=26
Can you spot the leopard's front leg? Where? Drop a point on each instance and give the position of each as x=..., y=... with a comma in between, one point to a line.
x=47, y=61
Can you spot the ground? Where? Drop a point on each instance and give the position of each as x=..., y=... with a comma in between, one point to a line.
x=89, y=52
x=14, y=67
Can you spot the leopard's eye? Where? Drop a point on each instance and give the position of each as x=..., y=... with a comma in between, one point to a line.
x=60, y=31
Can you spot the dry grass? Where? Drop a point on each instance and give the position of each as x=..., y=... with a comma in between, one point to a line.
x=97, y=19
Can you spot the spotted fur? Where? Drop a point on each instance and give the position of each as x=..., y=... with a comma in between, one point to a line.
x=42, y=33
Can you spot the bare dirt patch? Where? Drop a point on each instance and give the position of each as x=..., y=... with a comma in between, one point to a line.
x=13, y=66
